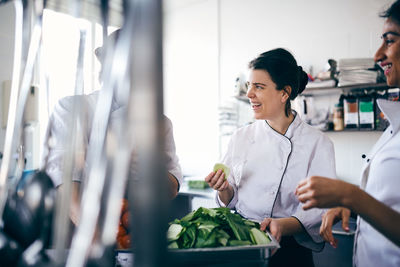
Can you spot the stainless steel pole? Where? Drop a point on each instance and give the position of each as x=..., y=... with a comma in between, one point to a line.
x=148, y=189
x=19, y=97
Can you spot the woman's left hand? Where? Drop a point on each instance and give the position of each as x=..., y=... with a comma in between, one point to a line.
x=273, y=226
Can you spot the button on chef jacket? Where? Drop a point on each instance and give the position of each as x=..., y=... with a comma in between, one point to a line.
x=59, y=129
x=266, y=167
x=381, y=179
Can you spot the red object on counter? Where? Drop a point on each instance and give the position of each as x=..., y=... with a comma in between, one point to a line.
x=123, y=233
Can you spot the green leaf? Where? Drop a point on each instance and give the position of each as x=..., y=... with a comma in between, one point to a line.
x=222, y=237
x=238, y=227
x=259, y=237
x=188, y=217
x=173, y=245
x=206, y=227
x=251, y=223
x=174, y=231
x=189, y=237
x=236, y=242
x=210, y=241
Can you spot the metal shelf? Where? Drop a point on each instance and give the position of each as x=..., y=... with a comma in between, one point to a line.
x=346, y=89
x=312, y=91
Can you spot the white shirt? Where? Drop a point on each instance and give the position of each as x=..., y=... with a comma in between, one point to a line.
x=381, y=179
x=59, y=129
x=266, y=167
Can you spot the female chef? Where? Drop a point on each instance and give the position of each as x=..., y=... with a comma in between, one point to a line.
x=377, y=202
x=269, y=157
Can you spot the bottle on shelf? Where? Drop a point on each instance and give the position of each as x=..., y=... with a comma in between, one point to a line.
x=338, y=121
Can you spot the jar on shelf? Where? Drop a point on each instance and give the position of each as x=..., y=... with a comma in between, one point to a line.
x=338, y=122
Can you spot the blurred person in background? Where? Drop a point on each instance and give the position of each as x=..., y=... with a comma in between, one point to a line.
x=59, y=129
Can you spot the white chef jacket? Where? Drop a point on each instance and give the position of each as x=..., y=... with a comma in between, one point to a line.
x=381, y=179
x=59, y=129
x=266, y=167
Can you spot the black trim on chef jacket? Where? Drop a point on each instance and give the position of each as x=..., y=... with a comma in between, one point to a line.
x=290, y=252
x=287, y=161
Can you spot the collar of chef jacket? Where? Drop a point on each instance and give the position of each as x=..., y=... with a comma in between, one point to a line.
x=391, y=110
x=292, y=127
x=361, y=250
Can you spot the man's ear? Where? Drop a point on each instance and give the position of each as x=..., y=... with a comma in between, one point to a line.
x=287, y=90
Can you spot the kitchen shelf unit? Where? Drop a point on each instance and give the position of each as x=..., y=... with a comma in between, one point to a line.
x=314, y=91
x=356, y=88
x=330, y=91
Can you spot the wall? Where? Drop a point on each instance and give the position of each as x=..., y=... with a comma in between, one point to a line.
x=206, y=48
x=313, y=30
x=190, y=82
x=349, y=147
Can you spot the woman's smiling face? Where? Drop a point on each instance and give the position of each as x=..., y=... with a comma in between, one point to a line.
x=388, y=54
x=266, y=101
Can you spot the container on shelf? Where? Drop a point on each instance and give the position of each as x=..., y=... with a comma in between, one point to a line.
x=394, y=94
x=350, y=112
x=338, y=122
x=366, y=112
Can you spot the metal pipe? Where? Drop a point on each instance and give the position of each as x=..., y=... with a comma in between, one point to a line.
x=18, y=97
x=148, y=189
x=77, y=128
x=90, y=204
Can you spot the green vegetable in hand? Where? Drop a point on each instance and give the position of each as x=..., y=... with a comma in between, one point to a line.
x=223, y=167
x=213, y=228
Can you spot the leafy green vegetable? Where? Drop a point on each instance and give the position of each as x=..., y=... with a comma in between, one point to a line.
x=213, y=228
x=223, y=167
x=188, y=217
x=174, y=232
x=258, y=237
x=188, y=237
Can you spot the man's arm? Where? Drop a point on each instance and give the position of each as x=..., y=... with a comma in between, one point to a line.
x=173, y=186
x=74, y=209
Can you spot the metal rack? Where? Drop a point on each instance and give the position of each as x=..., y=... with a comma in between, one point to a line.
x=345, y=89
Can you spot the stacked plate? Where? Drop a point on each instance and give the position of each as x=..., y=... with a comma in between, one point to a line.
x=357, y=71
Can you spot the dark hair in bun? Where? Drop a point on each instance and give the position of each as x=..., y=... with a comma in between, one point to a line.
x=393, y=12
x=284, y=71
x=303, y=80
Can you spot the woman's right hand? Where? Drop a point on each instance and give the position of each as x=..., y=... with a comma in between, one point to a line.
x=217, y=181
x=331, y=217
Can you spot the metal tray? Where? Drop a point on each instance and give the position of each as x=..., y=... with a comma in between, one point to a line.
x=250, y=255
x=255, y=255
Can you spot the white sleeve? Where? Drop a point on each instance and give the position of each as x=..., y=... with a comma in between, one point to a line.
x=322, y=163
x=58, y=135
x=228, y=161
x=172, y=161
